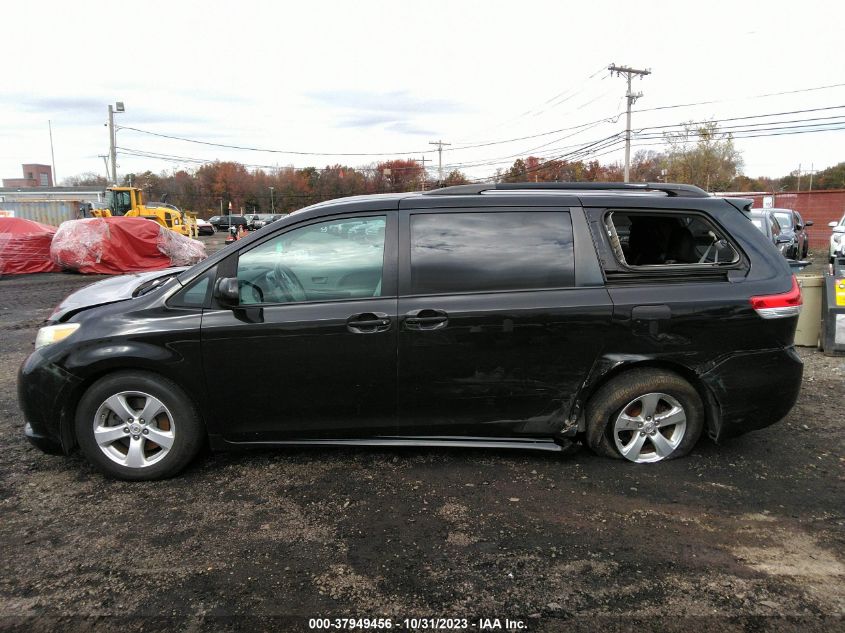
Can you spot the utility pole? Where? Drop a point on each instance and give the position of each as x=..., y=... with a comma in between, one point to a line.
x=632, y=98
x=440, y=145
x=105, y=158
x=799, y=178
x=52, y=155
x=272, y=203
x=423, y=160
x=117, y=107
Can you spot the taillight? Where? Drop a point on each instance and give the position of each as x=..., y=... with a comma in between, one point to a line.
x=779, y=306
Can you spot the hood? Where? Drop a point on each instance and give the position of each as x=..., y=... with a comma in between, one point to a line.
x=110, y=290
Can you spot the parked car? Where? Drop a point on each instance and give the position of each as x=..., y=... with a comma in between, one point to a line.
x=791, y=222
x=204, y=227
x=214, y=219
x=225, y=221
x=837, y=239
x=503, y=316
x=768, y=224
x=259, y=220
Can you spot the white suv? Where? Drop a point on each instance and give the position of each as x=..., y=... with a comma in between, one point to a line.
x=837, y=240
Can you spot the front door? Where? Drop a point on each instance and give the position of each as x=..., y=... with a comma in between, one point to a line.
x=495, y=336
x=310, y=351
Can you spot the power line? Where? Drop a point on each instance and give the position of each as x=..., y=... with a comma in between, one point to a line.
x=770, y=94
x=561, y=95
x=608, y=119
x=174, y=158
x=745, y=118
x=610, y=146
x=747, y=129
x=271, y=151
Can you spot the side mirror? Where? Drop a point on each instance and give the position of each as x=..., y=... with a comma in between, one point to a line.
x=226, y=291
x=808, y=223
x=832, y=224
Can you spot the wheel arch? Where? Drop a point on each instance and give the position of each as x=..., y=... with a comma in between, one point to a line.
x=67, y=415
x=608, y=369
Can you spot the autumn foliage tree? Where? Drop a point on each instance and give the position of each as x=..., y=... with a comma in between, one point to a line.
x=702, y=155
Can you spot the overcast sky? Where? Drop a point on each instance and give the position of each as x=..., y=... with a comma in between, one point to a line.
x=366, y=77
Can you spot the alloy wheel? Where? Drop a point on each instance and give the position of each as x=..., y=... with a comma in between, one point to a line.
x=649, y=428
x=134, y=429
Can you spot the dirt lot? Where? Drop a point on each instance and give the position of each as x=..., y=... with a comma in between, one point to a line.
x=744, y=537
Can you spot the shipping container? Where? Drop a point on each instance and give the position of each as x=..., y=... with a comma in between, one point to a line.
x=52, y=212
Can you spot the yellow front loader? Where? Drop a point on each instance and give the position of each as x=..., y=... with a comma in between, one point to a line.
x=129, y=202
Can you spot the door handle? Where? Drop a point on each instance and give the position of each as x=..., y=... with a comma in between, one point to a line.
x=651, y=313
x=368, y=323
x=426, y=319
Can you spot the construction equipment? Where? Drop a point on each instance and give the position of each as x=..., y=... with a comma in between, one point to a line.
x=129, y=202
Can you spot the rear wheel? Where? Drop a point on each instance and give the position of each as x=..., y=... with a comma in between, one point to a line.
x=137, y=426
x=645, y=415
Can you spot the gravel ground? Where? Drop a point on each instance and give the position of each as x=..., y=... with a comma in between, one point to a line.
x=743, y=537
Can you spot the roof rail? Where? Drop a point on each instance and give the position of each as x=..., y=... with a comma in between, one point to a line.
x=670, y=189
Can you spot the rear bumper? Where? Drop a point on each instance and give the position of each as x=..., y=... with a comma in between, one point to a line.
x=754, y=390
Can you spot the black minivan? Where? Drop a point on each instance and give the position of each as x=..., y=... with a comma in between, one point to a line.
x=633, y=316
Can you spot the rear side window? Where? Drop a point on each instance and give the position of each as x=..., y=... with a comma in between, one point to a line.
x=485, y=252
x=667, y=239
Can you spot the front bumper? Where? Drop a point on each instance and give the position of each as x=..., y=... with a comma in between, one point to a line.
x=46, y=393
x=754, y=390
x=43, y=442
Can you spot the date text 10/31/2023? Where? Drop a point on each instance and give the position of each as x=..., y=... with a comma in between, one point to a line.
x=417, y=624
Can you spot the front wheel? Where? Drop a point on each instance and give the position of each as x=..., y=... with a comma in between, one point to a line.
x=645, y=415
x=137, y=426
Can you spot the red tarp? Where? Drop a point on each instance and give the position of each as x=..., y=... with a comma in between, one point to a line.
x=25, y=247
x=121, y=245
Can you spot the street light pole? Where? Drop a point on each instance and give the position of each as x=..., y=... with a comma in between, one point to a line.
x=272, y=203
x=112, y=158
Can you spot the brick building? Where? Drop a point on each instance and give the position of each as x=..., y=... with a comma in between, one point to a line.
x=34, y=175
x=820, y=206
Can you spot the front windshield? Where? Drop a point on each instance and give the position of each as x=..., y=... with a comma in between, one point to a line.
x=784, y=219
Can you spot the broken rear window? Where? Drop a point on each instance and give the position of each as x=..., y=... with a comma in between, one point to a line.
x=667, y=239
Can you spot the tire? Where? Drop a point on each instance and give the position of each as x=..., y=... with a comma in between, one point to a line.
x=618, y=417
x=121, y=443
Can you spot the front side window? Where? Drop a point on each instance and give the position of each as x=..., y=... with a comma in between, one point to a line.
x=341, y=259
x=666, y=239
x=487, y=252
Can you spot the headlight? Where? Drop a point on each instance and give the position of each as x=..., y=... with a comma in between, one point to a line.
x=54, y=333
x=837, y=238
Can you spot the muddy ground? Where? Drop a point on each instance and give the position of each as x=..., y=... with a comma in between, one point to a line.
x=743, y=537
